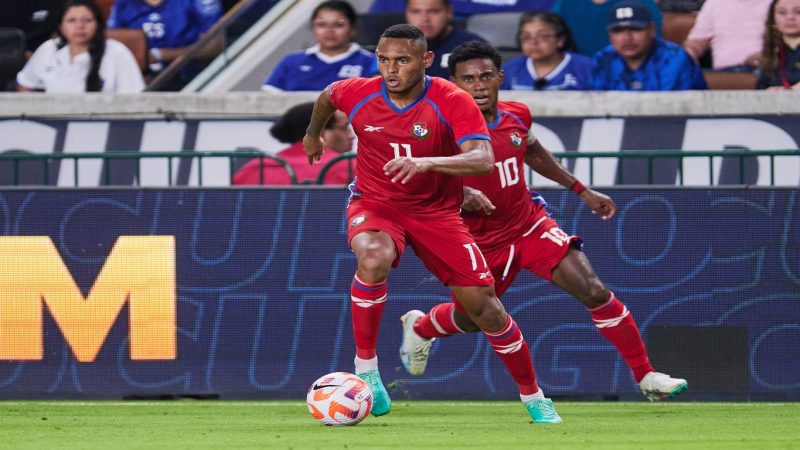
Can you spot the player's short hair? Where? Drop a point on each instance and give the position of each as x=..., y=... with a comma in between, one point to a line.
x=404, y=31
x=337, y=5
x=473, y=50
x=410, y=32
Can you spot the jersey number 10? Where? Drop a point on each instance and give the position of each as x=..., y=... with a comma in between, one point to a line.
x=508, y=171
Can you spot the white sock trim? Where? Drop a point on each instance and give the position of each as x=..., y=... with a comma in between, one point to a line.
x=363, y=365
x=526, y=398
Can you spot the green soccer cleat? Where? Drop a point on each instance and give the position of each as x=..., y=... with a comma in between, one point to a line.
x=542, y=411
x=381, y=403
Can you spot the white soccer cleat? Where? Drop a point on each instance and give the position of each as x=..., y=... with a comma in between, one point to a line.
x=658, y=386
x=415, y=349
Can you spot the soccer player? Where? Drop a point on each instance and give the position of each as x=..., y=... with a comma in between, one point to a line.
x=416, y=136
x=515, y=232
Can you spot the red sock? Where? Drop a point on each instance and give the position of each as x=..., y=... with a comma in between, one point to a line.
x=366, y=306
x=616, y=324
x=512, y=349
x=438, y=322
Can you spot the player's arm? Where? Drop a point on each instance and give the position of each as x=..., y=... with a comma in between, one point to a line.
x=312, y=141
x=544, y=163
x=476, y=200
x=476, y=158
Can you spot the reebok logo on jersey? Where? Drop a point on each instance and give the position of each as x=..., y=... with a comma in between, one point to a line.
x=371, y=129
x=484, y=275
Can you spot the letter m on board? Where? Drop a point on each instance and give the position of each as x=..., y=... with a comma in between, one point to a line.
x=140, y=270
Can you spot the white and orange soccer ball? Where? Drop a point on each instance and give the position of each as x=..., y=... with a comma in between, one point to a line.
x=339, y=398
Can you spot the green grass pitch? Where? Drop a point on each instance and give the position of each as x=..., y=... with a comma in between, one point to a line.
x=411, y=424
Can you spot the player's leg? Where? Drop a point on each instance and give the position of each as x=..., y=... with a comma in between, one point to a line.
x=377, y=240
x=447, y=319
x=375, y=253
x=503, y=334
x=448, y=250
x=574, y=274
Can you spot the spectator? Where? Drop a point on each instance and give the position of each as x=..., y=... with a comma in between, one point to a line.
x=338, y=134
x=81, y=59
x=548, y=62
x=780, y=57
x=290, y=129
x=335, y=57
x=466, y=8
x=435, y=19
x=38, y=19
x=585, y=18
x=733, y=29
x=637, y=60
x=171, y=26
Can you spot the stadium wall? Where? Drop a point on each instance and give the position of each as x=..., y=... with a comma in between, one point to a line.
x=582, y=122
x=110, y=293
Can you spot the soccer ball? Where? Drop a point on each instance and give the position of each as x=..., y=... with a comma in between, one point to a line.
x=339, y=398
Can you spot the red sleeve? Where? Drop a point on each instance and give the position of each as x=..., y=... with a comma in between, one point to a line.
x=462, y=114
x=522, y=111
x=346, y=94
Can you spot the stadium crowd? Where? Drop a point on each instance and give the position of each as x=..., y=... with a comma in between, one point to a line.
x=561, y=44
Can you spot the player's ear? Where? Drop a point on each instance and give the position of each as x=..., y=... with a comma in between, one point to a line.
x=501, y=76
x=427, y=59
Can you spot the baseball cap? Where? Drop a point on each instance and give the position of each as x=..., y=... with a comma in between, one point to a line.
x=629, y=14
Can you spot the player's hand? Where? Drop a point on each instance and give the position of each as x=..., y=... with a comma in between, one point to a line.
x=600, y=204
x=403, y=169
x=475, y=200
x=313, y=147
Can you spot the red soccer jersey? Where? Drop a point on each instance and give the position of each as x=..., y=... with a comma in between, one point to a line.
x=505, y=186
x=435, y=124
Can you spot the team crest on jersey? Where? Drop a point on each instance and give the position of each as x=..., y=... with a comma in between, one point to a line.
x=358, y=221
x=420, y=130
x=516, y=139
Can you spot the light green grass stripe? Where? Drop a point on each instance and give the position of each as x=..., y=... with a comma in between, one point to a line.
x=411, y=425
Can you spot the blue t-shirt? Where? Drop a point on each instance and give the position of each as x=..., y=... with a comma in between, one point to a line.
x=172, y=24
x=465, y=8
x=572, y=74
x=441, y=49
x=587, y=22
x=668, y=68
x=311, y=70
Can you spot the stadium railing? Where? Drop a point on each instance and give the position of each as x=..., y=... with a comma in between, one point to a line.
x=16, y=159
x=649, y=155
x=681, y=156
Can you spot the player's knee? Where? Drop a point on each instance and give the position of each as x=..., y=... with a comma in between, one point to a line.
x=596, y=294
x=489, y=314
x=464, y=323
x=375, y=262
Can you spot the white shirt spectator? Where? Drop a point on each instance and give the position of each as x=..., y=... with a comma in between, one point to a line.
x=51, y=69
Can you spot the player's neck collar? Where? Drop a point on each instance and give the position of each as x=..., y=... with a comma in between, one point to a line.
x=394, y=107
